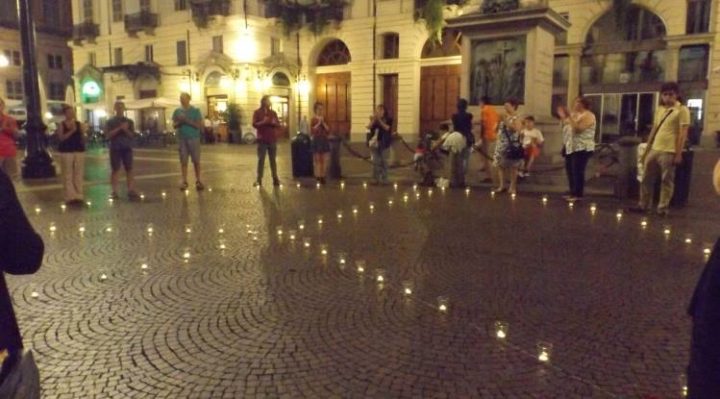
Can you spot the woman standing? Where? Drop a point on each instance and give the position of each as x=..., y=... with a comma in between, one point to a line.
x=320, y=143
x=8, y=149
x=578, y=144
x=71, y=134
x=462, y=123
x=509, y=155
x=379, y=140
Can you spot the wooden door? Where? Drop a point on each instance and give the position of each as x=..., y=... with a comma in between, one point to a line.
x=439, y=92
x=333, y=90
x=390, y=97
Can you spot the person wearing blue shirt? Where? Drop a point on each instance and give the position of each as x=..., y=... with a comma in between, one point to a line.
x=188, y=122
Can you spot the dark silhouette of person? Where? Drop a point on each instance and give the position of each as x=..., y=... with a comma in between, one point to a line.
x=21, y=252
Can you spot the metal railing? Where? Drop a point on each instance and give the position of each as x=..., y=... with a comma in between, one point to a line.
x=86, y=31
x=140, y=21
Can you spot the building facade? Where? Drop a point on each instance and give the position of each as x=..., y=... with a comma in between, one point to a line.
x=350, y=56
x=53, y=23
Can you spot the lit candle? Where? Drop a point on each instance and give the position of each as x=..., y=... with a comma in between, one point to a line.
x=150, y=229
x=593, y=208
x=323, y=249
x=186, y=254
x=666, y=231
x=144, y=266
x=279, y=231
x=544, y=199
x=342, y=184
x=430, y=192
x=571, y=204
x=372, y=206
x=513, y=196
x=187, y=192
x=443, y=303
x=501, y=329
x=221, y=230
x=306, y=242
x=108, y=229
x=407, y=287
x=292, y=234
x=342, y=258
x=63, y=207
x=395, y=186
x=688, y=238
x=707, y=250
x=364, y=184
x=81, y=229
x=467, y=191
x=142, y=197
x=543, y=350
x=37, y=210
x=222, y=245
x=417, y=195
x=380, y=276
x=103, y=277
x=406, y=197
x=619, y=215
x=89, y=203
x=320, y=219
x=360, y=266
x=34, y=294
x=53, y=228
x=317, y=185
x=390, y=201
x=210, y=189
x=415, y=187
x=301, y=225
x=643, y=223
x=492, y=194
x=163, y=194
x=355, y=209
x=188, y=229
x=297, y=185
x=339, y=214
x=442, y=189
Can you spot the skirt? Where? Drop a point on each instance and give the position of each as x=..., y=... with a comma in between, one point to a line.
x=320, y=145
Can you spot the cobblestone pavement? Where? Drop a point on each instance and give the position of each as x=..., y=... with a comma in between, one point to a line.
x=198, y=295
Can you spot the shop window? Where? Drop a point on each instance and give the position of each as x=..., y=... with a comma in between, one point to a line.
x=693, y=63
x=698, y=16
x=391, y=45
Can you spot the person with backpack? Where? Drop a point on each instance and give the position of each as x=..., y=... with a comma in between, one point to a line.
x=21, y=252
x=462, y=123
x=509, y=154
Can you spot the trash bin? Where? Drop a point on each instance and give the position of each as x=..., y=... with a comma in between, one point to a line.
x=335, y=169
x=626, y=185
x=301, y=153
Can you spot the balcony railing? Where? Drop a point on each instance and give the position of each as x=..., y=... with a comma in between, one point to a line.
x=86, y=31
x=140, y=21
x=204, y=10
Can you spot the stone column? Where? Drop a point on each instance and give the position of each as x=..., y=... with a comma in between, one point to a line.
x=672, y=62
x=574, y=55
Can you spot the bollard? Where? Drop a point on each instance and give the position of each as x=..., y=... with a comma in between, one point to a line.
x=627, y=185
x=335, y=170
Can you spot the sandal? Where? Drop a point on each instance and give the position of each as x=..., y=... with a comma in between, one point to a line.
x=183, y=186
x=199, y=186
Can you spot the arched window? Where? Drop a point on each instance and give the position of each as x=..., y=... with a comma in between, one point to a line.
x=450, y=46
x=280, y=79
x=334, y=53
x=639, y=24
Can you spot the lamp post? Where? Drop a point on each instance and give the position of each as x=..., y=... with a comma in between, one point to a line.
x=37, y=162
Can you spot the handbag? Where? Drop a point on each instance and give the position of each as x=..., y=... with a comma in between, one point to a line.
x=23, y=380
x=515, y=149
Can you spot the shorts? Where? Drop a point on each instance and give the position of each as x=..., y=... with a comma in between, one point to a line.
x=121, y=156
x=532, y=151
x=189, y=148
x=507, y=163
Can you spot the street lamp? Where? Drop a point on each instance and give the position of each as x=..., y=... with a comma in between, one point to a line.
x=37, y=162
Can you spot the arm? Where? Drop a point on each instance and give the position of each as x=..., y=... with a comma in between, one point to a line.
x=682, y=135
x=62, y=134
x=384, y=125
x=10, y=127
x=581, y=124
x=258, y=120
x=22, y=248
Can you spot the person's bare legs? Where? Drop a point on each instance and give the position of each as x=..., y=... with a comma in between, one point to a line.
x=324, y=160
x=513, y=179
x=130, y=180
x=196, y=165
x=501, y=179
x=114, y=179
x=183, y=171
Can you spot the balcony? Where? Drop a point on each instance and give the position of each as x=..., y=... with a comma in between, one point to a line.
x=315, y=16
x=204, y=10
x=140, y=21
x=85, y=31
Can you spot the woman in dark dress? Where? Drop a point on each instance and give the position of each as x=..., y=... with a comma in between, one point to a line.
x=320, y=132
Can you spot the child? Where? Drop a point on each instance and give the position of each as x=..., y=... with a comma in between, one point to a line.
x=453, y=143
x=532, y=140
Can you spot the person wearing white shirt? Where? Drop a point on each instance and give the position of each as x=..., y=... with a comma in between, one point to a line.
x=532, y=141
x=453, y=143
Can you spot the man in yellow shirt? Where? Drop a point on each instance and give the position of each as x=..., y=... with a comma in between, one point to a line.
x=664, y=150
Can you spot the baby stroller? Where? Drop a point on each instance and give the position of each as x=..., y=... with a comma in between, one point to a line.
x=428, y=161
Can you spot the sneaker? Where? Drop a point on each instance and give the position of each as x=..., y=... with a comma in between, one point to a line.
x=637, y=209
x=199, y=186
x=133, y=196
x=663, y=212
x=183, y=186
x=258, y=183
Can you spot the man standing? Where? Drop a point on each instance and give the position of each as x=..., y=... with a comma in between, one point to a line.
x=664, y=150
x=266, y=121
x=121, y=131
x=489, y=119
x=189, y=123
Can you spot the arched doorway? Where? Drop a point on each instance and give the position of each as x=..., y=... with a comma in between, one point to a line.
x=333, y=89
x=217, y=86
x=280, y=95
x=439, y=82
x=621, y=68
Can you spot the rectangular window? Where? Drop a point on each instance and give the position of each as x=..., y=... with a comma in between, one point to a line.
x=56, y=91
x=14, y=90
x=180, y=5
x=275, y=46
x=117, y=10
x=698, y=16
x=217, y=43
x=58, y=62
x=51, y=13
x=561, y=71
x=88, y=13
x=51, y=61
x=145, y=5
x=149, y=56
x=13, y=57
x=92, y=58
x=693, y=63
x=181, y=52
x=118, y=56
x=391, y=45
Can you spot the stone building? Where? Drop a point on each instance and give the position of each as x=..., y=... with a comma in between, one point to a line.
x=351, y=55
x=53, y=21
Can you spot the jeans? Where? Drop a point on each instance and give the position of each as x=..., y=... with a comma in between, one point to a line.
x=271, y=150
x=380, y=164
x=575, y=165
x=658, y=165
